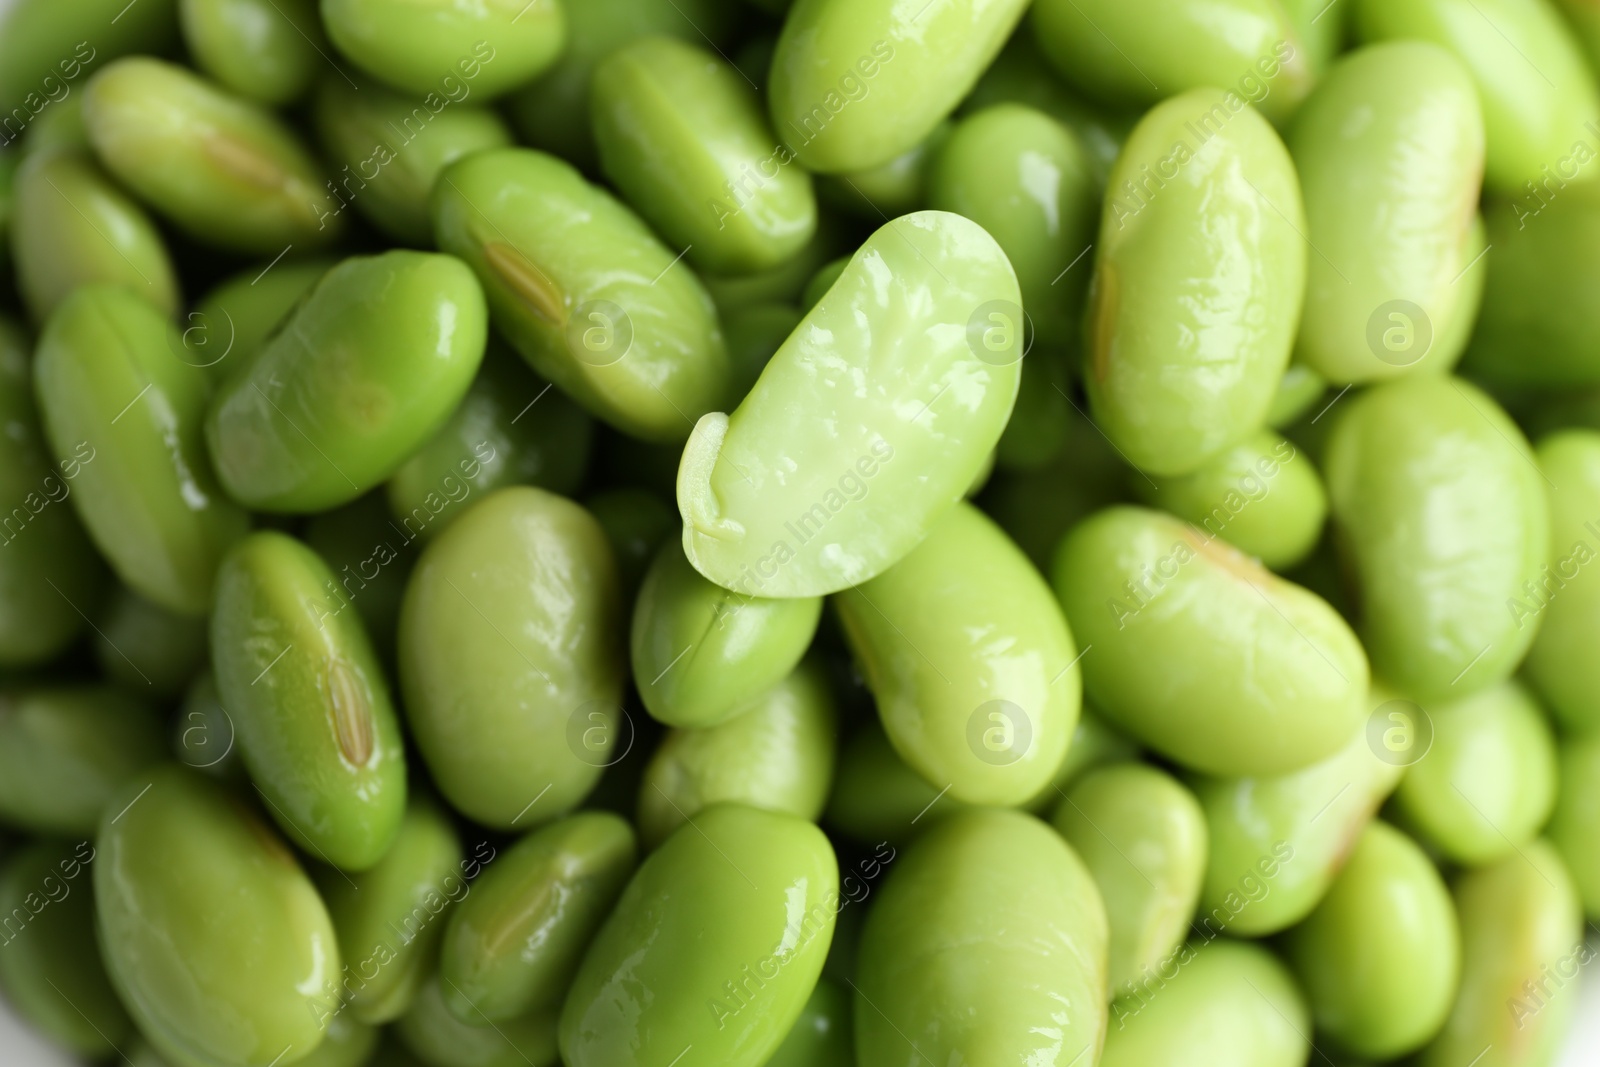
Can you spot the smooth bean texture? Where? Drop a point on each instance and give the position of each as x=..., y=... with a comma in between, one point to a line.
x=714, y=947
x=1576, y=818
x=514, y=701
x=115, y=400
x=1260, y=675
x=439, y=1039
x=231, y=323
x=759, y=489
x=985, y=706
x=988, y=944
x=1198, y=282
x=267, y=50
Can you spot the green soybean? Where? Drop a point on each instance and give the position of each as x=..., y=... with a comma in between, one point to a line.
x=513, y=944
x=48, y=565
x=418, y=48
x=1025, y=178
x=50, y=969
x=890, y=189
x=144, y=647
x=1488, y=781
x=1441, y=519
x=371, y=559
x=584, y=291
x=392, y=148
x=701, y=653
x=1277, y=842
x=1380, y=957
x=203, y=735
x=777, y=754
x=1263, y=496
x=1129, y=55
x=907, y=323
x=636, y=523
x=391, y=916
x=64, y=750
x=877, y=797
x=952, y=961
x=43, y=50
x=854, y=83
x=821, y=1037
x=1143, y=838
x=1228, y=1004
x=1576, y=818
x=308, y=697
x=268, y=51
x=510, y=429
x=1298, y=389
x=222, y=169
x=971, y=664
x=1394, y=132
x=683, y=137
x=755, y=333
x=1198, y=282
x=1094, y=744
x=439, y=1039
x=215, y=939
x=1521, y=947
x=716, y=943
x=59, y=127
x=228, y=327
x=114, y=398
x=1272, y=678
x=1536, y=324
x=369, y=367
x=74, y=227
x=513, y=701
x=1539, y=98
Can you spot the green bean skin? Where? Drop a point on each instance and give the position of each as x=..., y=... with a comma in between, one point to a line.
x=1198, y=281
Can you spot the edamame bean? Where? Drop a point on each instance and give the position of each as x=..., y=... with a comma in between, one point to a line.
x=856, y=82
x=1277, y=842
x=64, y=750
x=702, y=654
x=371, y=560
x=264, y=50
x=712, y=950
x=987, y=945
x=683, y=137
x=906, y=323
x=115, y=401
x=222, y=169
x=1537, y=94
x=877, y=797
x=1142, y=837
x=74, y=227
x=146, y=648
x=584, y=292
x=1441, y=518
x=227, y=328
x=1230, y=1005
x=47, y=564
x=1260, y=676
x=306, y=693
x=777, y=754
x=755, y=333
x=514, y=943
x=369, y=367
x=61, y=126
x=50, y=968
x=1262, y=496
x=203, y=735
x=1094, y=744
x=390, y=917
x=439, y=1039
x=1393, y=133
x=215, y=939
x=1536, y=326
x=482, y=447
x=511, y=657
x=424, y=47
x=1487, y=783
x=890, y=189
x=1576, y=818
x=636, y=523
x=821, y=1037
x=971, y=664
x=1379, y=958
x=786, y=283
x=1298, y=389
x=1521, y=949
x=1136, y=54
x=47, y=49
x=1023, y=177
x=1198, y=282
x=392, y=148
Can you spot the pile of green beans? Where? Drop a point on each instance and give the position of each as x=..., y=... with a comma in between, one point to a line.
x=808, y=533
